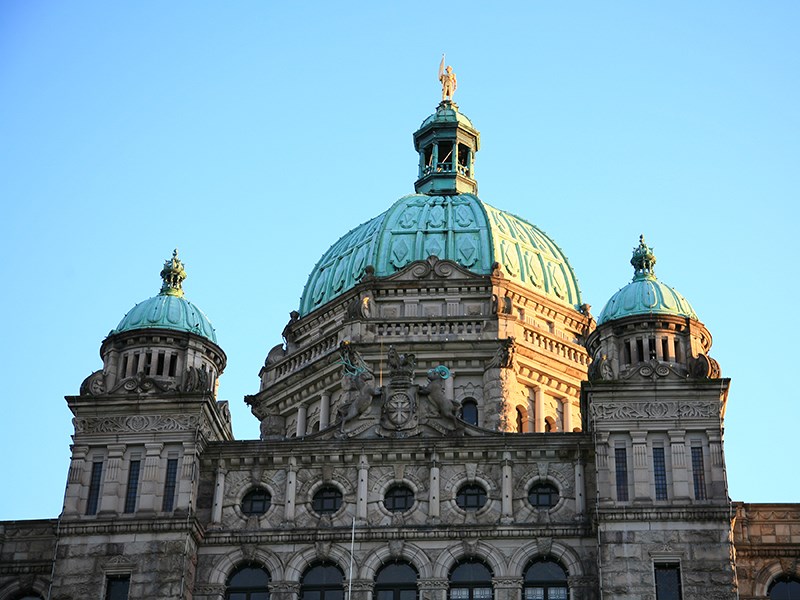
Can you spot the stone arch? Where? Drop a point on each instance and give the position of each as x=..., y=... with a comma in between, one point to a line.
x=300, y=562
x=14, y=588
x=768, y=573
x=411, y=553
x=563, y=554
x=225, y=564
x=468, y=549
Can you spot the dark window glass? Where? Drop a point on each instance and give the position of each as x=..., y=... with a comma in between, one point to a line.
x=30, y=597
x=698, y=473
x=668, y=581
x=256, y=502
x=249, y=582
x=545, y=580
x=520, y=427
x=396, y=581
x=469, y=411
x=117, y=587
x=471, y=580
x=170, y=484
x=327, y=500
x=324, y=581
x=399, y=498
x=133, y=486
x=621, y=463
x=94, y=488
x=785, y=588
x=543, y=495
x=471, y=497
x=660, y=473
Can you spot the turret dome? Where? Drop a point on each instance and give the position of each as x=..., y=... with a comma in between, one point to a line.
x=645, y=294
x=459, y=227
x=169, y=309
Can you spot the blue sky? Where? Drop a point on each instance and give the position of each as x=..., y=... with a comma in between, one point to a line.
x=251, y=135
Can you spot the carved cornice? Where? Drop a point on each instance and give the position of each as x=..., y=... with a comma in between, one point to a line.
x=615, y=410
x=138, y=423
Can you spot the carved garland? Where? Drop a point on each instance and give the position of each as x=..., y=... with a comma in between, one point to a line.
x=655, y=410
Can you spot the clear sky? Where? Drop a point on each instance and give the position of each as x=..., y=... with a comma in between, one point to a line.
x=252, y=135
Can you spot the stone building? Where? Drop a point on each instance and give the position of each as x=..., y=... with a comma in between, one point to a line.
x=445, y=419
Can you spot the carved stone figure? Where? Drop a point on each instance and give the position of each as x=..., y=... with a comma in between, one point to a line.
x=437, y=395
x=504, y=357
x=357, y=398
x=195, y=380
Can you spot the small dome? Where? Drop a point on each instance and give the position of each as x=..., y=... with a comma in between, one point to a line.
x=169, y=309
x=447, y=112
x=645, y=294
x=460, y=228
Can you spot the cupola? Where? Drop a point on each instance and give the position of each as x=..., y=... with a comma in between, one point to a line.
x=648, y=327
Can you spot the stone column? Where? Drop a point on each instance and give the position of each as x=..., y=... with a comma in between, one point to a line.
x=284, y=590
x=507, y=588
x=433, y=589
x=361, y=589
x=324, y=411
x=507, y=491
x=302, y=412
x=186, y=478
x=538, y=410
x=149, y=491
x=641, y=472
x=603, y=474
x=680, y=472
x=77, y=467
x=112, y=491
x=433, y=494
x=361, y=497
x=580, y=492
x=219, y=493
x=291, y=491
x=717, y=488
x=566, y=409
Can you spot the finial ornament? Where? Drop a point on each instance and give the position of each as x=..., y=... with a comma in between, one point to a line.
x=643, y=260
x=448, y=79
x=173, y=275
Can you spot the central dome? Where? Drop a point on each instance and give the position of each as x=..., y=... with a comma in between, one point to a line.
x=461, y=228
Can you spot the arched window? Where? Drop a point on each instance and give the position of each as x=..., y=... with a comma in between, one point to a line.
x=785, y=587
x=471, y=497
x=327, y=500
x=545, y=580
x=549, y=424
x=323, y=581
x=248, y=582
x=399, y=498
x=522, y=420
x=543, y=495
x=471, y=580
x=396, y=581
x=469, y=411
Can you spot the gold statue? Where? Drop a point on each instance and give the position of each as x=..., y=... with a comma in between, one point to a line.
x=448, y=79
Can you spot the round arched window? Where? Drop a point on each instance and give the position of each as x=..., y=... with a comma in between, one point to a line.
x=469, y=411
x=327, y=500
x=471, y=496
x=323, y=581
x=399, y=498
x=396, y=581
x=249, y=582
x=256, y=502
x=785, y=587
x=471, y=580
x=545, y=580
x=543, y=495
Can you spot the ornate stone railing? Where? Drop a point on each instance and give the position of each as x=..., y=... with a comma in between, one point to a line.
x=444, y=327
x=546, y=343
x=298, y=359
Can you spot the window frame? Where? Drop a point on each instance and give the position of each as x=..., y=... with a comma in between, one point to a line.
x=665, y=566
x=410, y=496
x=467, y=492
x=554, y=493
x=248, y=500
x=318, y=500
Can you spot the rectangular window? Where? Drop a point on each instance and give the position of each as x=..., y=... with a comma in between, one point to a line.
x=660, y=473
x=170, y=484
x=117, y=587
x=133, y=486
x=668, y=581
x=621, y=462
x=698, y=473
x=94, y=488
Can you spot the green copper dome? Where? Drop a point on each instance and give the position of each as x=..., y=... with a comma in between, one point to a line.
x=168, y=310
x=461, y=228
x=645, y=295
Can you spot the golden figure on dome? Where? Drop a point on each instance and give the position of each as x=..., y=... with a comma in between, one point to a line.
x=448, y=79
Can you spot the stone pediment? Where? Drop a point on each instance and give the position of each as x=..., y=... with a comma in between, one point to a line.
x=432, y=268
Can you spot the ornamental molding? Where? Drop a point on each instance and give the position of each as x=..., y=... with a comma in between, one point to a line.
x=138, y=423
x=654, y=410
